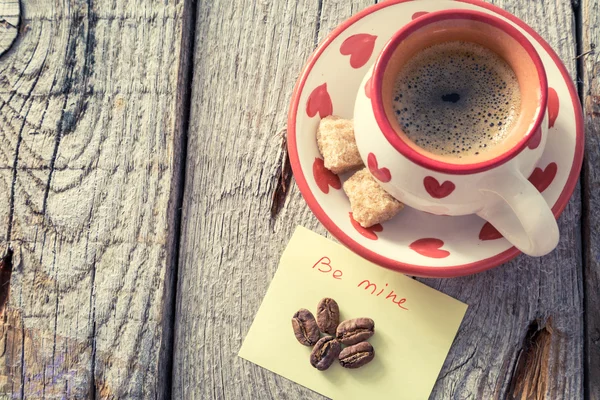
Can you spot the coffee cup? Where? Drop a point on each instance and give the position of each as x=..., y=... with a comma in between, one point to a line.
x=492, y=183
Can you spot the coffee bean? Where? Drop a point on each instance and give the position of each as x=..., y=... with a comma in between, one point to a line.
x=328, y=315
x=305, y=327
x=355, y=330
x=325, y=352
x=357, y=355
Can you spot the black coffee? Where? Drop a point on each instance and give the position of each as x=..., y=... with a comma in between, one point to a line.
x=457, y=99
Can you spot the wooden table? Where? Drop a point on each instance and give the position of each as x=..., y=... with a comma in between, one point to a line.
x=142, y=144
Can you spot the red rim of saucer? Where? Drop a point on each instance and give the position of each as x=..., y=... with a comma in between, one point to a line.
x=413, y=269
x=440, y=166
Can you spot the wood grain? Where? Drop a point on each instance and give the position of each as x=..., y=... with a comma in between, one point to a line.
x=10, y=14
x=590, y=69
x=248, y=55
x=90, y=126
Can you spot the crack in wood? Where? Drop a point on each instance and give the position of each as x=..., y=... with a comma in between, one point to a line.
x=175, y=205
x=283, y=179
x=6, y=23
x=530, y=377
x=6, y=266
x=587, y=53
x=318, y=22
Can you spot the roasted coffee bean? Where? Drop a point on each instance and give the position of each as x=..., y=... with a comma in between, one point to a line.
x=357, y=355
x=325, y=352
x=328, y=315
x=305, y=327
x=355, y=330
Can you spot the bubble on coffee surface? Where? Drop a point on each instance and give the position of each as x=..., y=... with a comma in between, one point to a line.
x=456, y=99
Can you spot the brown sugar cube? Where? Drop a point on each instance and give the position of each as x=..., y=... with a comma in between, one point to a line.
x=369, y=202
x=335, y=138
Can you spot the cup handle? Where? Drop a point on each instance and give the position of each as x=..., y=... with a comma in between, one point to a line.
x=520, y=213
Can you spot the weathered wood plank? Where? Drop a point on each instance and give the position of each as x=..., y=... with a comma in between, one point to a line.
x=247, y=58
x=590, y=68
x=91, y=129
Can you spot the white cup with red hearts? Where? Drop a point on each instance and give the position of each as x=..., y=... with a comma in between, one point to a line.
x=493, y=186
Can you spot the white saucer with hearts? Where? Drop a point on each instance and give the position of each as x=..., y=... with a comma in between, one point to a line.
x=414, y=242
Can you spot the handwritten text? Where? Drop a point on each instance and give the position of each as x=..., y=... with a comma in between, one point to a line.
x=324, y=265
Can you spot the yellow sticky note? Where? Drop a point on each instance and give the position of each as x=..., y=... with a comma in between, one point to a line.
x=414, y=324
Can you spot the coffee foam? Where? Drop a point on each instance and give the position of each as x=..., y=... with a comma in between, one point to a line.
x=456, y=99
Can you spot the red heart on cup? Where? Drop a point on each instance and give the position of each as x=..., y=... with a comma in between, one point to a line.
x=319, y=101
x=383, y=174
x=325, y=177
x=419, y=14
x=536, y=139
x=436, y=190
x=359, y=47
x=369, y=232
x=541, y=179
x=429, y=247
x=553, y=107
x=368, y=87
x=488, y=232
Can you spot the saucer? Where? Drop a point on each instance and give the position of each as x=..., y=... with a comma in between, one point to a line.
x=415, y=242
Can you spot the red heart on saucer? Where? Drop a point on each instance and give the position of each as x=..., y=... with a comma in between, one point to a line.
x=383, y=174
x=419, y=14
x=436, y=190
x=369, y=232
x=541, y=179
x=359, y=47
x=319, y=101
x=553, y=107
x=536, y=139
x=488, y=232
x=325, y=177
x=429, y=247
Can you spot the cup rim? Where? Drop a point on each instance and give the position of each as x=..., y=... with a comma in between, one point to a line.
x=441, y=166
